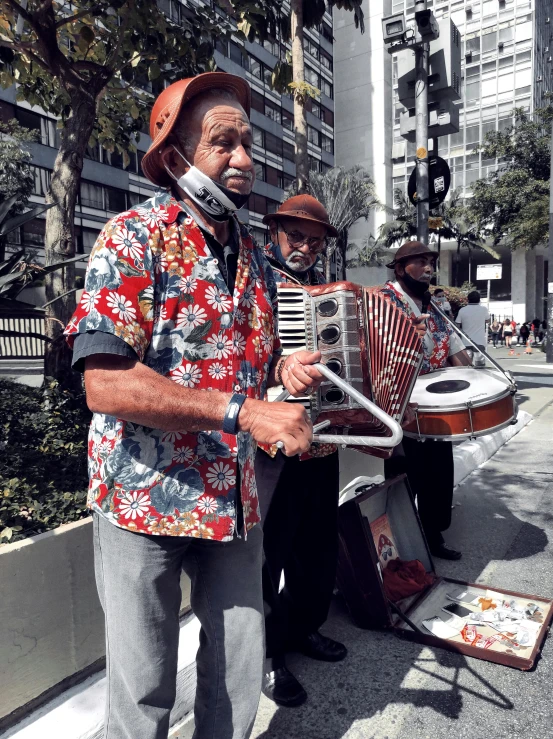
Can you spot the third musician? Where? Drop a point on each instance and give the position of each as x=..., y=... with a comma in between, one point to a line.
x=428, y=464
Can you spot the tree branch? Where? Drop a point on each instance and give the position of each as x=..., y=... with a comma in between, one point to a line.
x=121, y=34
x=71, y=18
x=24, y=48
x=22, y=11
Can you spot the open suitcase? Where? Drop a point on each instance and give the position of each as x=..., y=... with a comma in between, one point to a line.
x=384, y=515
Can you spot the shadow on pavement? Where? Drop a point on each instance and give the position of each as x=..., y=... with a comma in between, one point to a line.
x=382, y=672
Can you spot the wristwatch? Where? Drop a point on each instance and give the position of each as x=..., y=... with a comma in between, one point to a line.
x=230, y=421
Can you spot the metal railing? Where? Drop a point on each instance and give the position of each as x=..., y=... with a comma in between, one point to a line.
x=27, y=344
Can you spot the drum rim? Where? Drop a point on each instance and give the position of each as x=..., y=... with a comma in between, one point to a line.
x=459, y=437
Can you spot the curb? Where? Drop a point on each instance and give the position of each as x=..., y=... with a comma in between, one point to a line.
x=471, y=454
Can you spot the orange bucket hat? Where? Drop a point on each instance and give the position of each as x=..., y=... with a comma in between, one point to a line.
x=167, y=109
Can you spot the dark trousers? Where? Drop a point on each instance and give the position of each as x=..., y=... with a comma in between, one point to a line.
x=299, y=505
x=429, y=468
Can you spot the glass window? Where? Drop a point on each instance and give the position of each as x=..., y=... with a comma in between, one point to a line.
x=489, y=87
x=489, y=41
x=523, y=78
x=116, y=199
x=523, y=31
x=488, y=67
x=237, y=55
x=273, y=144
x=523, y=56
x=311, y=76
x=327, y=116
x=221, y=45
x=505, y=83
x=472, y=134
x=488, y=128
x=257, y=135
x=313, y=136
x=314, y=164
x=326, y=88
x=259, y=171
x=256, y=68
x=258, y=102
x=287, y=120
x=505, y=61
x=326, y=61
x=272, y=112
x=473, y=71
x=328, y=144
x=273, y=176
x=506, y=34
x=472, y=44
x=92, y=196
x=267, y=76
x=289, y=151
x=473, y=90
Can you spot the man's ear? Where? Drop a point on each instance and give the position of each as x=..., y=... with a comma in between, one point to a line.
x=273, y=231
x=400, y=269
x=172, y=160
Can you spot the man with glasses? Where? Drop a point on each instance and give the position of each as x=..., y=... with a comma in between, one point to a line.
x=298, y=495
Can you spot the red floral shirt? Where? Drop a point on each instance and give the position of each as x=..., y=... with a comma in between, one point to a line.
x=153, y=281
x=443, y=342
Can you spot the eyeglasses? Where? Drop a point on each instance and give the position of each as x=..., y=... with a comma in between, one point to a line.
x=296, y=239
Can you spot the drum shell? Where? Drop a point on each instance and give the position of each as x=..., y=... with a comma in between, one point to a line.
x=464, y=423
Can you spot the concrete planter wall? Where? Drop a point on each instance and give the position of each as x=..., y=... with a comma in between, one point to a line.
x=51, y=621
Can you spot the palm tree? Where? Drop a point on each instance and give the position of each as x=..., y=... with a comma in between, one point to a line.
x=347, y=195
x=402, y=224
x=459, y=225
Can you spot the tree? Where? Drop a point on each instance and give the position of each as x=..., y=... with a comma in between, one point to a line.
x=512, y=204
x=369, y=254
x=16, y=175
x=402, y=224
x=347, y=195
x=306, y=14
x=90, y=62
x=458, y=223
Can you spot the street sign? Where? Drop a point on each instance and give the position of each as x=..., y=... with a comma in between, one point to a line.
x=439, y=180
x=489, y=271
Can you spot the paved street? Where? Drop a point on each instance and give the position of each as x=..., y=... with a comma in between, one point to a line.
x=390, y=689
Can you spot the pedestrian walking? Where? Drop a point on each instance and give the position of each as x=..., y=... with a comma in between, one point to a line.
x=507, y=332
x=524, y=333
x=472, y=319
x=495, y=329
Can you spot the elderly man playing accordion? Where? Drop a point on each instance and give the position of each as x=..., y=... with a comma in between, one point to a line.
x=429, y=465
x=298, y=495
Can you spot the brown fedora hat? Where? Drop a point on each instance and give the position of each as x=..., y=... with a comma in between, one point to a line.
x=409, y=250
x=167, y=109
x=303, y=208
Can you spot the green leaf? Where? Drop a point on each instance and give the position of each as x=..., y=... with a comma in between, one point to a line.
x=87, y=34
x=134, y=111
x=153, y=71
x=6, y=533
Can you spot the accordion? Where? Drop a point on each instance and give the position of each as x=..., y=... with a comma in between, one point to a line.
x=371, y=354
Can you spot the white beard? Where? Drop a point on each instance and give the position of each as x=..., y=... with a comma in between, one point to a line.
x=298, y=265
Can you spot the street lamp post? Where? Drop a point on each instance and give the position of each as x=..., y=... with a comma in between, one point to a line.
x=549, y=341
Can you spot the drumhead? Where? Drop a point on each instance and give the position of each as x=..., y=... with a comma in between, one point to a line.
x=452, y=388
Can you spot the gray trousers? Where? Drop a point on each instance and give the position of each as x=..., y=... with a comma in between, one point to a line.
x=138, y=579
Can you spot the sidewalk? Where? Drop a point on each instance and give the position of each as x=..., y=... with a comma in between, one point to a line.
x=390, y=689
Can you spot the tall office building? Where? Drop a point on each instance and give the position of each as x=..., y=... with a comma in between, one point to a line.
x=507, y=51
x=273, y=127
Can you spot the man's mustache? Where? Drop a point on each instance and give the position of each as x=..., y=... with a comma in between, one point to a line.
x=232, y=172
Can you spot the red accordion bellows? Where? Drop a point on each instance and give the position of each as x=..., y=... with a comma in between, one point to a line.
x=365, y=339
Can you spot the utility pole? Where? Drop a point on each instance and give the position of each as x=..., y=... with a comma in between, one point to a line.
x=422, y=53
x=549, y=342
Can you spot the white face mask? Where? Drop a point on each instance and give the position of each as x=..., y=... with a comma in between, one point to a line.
x=218, y=201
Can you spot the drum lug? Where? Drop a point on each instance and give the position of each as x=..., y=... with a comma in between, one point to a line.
x=469, y=407
x=418, y=427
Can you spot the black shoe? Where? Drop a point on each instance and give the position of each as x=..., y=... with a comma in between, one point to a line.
x=444, y=552
x=283, y=688
x=317, y=646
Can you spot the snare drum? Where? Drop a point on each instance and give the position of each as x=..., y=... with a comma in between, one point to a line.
x=457, y=403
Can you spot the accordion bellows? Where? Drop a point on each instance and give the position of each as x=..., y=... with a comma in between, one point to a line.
x=365, y=339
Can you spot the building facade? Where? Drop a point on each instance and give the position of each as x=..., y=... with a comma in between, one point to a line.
x=273, y=128
x=507, y=50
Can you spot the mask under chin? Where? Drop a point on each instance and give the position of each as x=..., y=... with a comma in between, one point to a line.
x=418, y=287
